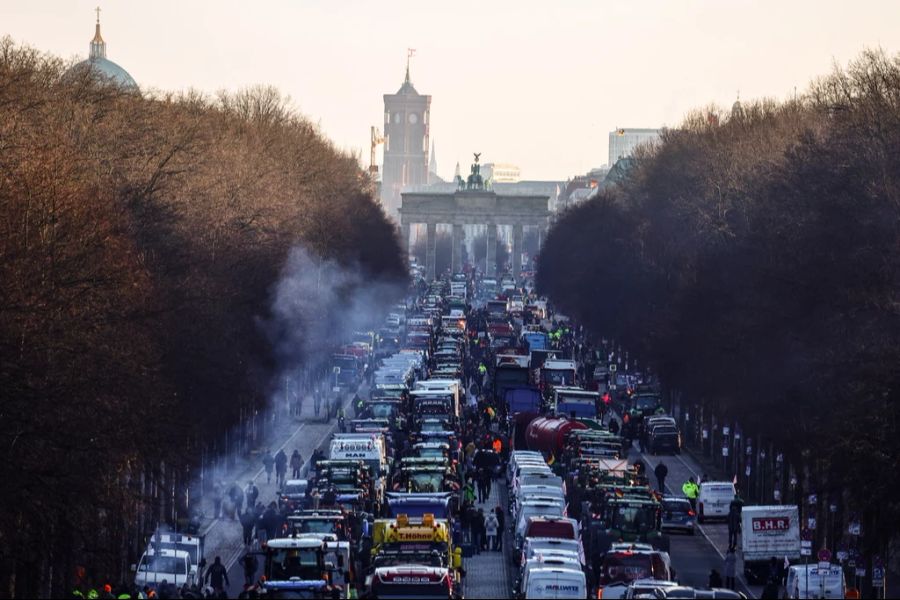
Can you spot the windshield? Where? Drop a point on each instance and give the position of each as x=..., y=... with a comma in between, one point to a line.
x=428, y=559
x=426, y=482
x=285, y=563
x=163, y=564
x=433, y=426
x=664, y=431
x=348, y=362
x=559, y=377
x=646, y=402
x=676, y=506
x=431, y=452
x=382, y=410
x=316, y=526
x=634, y=518
x=626, y=566
x=294, y=488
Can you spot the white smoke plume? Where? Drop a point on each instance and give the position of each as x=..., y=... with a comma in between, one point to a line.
x=317, y=306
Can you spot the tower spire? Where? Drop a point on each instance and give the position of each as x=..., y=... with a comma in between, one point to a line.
x=410, y=52
x=98, y=46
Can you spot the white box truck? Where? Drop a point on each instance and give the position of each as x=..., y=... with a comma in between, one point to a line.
x=767, y=532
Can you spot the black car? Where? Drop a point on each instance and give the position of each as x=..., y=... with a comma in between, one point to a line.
x=664, y=438
x=293, y=495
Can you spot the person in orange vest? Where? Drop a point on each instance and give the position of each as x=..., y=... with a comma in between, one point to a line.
x=497, y=445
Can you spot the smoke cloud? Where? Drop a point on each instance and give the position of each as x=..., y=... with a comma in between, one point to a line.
x=317, y=306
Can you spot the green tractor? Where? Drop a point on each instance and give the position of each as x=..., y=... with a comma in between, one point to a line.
x=628, y=518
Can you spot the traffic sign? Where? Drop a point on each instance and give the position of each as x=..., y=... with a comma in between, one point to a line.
x=824, y=555
x=878, y=577
x=854, y=528
x=806, y=543
x=860, y=571
x=824, y=565
x=805, y=552
x=613, y=367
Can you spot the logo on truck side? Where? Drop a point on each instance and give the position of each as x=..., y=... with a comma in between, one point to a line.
x=772, y=524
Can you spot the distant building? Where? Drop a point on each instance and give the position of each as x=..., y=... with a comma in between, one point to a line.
x=501, y=173
x=622, y=142
x=433, y=177
x=107, y=70
x=406, y=124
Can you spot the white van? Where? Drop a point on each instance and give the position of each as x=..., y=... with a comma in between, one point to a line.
x=172, y=566
x=545, y=562
x=550, y=546
x=555, y=583
x=811, y=581
x=714, y=500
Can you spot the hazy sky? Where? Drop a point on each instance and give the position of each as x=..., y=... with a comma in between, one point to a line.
x=537, y=84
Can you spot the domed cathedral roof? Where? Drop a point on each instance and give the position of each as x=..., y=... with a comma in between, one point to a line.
x=737, y=109
x=97, y=62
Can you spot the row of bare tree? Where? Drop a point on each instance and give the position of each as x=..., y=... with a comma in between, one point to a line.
x=140, y=239
x=752, y=259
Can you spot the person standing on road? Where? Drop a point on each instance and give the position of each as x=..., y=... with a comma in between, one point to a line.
x=236, y=494
x=268, y=462
x=218, y=493
x=248, y=521
x=734, y=522
x=730, y=567
x=252, y=493
x=271, y=521
x=250, y=564
x=281, y=460
x=501, y=526
x=490, y=529
x=217, y=575
x=296, y=464
x=691, y=490
x=478, y=530
x=661, y=471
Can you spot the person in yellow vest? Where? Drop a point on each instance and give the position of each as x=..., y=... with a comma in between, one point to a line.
x=691, y=490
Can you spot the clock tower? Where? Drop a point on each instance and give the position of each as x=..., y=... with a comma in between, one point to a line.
x=406, y=123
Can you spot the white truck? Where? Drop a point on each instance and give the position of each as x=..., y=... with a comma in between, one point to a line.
x=766, y=532
x=815, y=581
